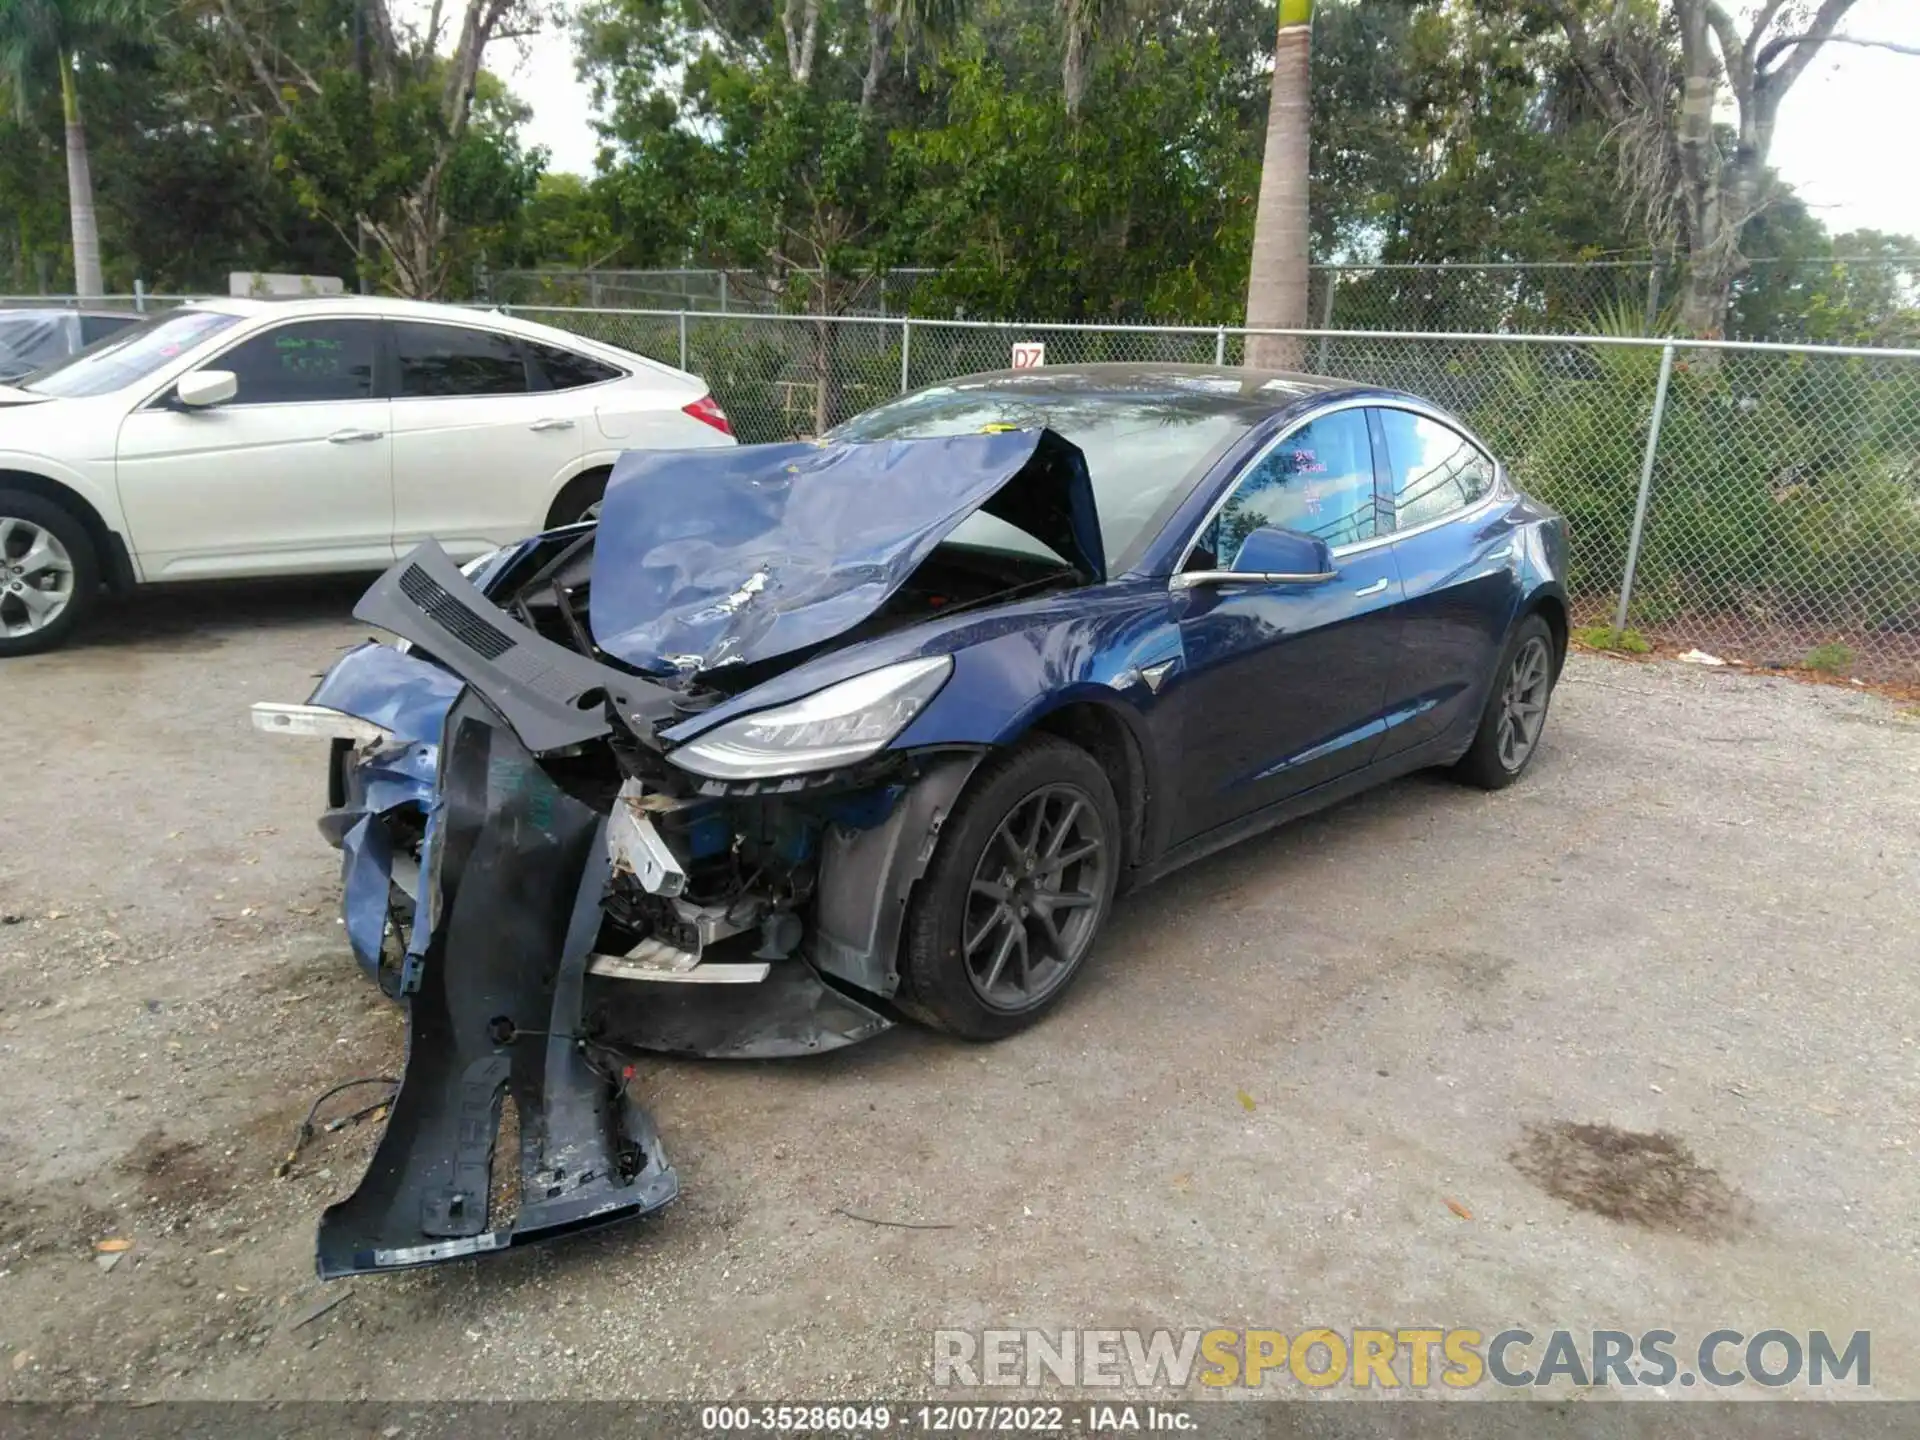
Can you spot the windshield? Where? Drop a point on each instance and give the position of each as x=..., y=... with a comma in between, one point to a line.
x=128, y=355
x=1141, y=445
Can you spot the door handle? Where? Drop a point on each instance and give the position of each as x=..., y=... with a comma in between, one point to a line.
x=352, y=437
x=551, y=423
x=1505, y=552
x=1374, y=589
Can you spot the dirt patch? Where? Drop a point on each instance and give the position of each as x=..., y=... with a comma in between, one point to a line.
x=172, y=1172
x=1649, y=1180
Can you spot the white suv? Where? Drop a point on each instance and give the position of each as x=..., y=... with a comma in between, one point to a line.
x=288, y=437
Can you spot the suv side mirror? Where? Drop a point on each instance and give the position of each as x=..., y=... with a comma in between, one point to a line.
x=198, y=389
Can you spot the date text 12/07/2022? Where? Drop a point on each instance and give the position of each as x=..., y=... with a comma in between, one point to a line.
x=948, y=1419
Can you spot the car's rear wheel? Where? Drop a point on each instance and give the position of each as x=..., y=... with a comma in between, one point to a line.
x=1018, y=889
x=49, y=573
x=580, y=500
x=1516, y=712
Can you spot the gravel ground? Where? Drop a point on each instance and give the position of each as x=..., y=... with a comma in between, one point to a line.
x=1289, y=1077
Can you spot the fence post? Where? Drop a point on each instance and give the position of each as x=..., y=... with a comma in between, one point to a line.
x=1220, y=345
x=906, y=350
x=683, y=339
x=1653, y=296
x=139, y=295
x=723, y=292
x=1326, y=319
x=1646, y=485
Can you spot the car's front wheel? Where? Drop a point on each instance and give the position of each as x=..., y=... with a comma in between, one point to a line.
x=1018, y=888
x=1516, y=711
x=49, y=573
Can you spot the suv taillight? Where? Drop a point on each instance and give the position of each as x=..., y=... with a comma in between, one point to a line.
x=708, y=412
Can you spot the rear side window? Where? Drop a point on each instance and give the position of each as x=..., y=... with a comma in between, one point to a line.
x=1318, y=481
x=564, y=370
x=1436, y=470
x=305, y=362
x=439, y=360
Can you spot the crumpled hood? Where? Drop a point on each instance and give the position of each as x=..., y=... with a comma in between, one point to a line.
x=729, y=556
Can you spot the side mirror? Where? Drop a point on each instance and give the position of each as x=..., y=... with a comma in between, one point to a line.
x=1272, y=551
x=200, y=388
x=1269, y=556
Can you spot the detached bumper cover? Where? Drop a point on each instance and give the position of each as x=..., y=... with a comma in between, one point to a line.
x=496, y=1009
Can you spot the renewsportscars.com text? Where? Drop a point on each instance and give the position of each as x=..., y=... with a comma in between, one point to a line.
x=1405, y=1357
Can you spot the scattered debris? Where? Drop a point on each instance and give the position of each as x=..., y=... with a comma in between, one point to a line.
x=319, y=1306
x=1699, y=657
x=108, y=1261
x=113, y=1245
x=21, y=1359
x=1246, y=1101
x=897, y=1224
x=1457, y=1208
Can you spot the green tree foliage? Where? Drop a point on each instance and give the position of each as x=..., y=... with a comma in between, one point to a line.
x=259, y=134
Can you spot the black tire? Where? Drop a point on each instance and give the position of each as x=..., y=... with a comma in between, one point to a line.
x=72, y=536
x=1495, y=761
x=581, y=494
x=1043, y=778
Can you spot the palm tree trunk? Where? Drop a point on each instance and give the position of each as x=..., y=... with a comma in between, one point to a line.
x=86, y=229
x=1277, y=277
x=1078, y=21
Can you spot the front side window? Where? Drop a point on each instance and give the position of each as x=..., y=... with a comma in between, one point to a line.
x=303, y=363
x=444, y=360
x=129, y=356
x=1436, y=470
x=1318, y=481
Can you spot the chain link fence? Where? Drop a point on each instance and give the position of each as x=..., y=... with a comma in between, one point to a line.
x=138, y=303
x=1761, y=503
x=1775, y=299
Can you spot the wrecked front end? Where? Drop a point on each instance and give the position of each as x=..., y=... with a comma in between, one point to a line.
x=558, y=852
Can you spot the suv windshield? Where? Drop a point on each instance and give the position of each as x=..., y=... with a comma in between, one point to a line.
x=1142, y=445
x=127, y=355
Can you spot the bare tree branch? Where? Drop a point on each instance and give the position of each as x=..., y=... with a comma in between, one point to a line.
x=1784, y=41
x=255, y=60
x=1779, y=81
x=1587, y=62
x=1733, y=49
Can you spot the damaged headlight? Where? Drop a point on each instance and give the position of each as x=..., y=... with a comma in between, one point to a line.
x=834, y=726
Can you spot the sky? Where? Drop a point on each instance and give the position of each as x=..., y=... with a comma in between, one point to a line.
x=1845, y=139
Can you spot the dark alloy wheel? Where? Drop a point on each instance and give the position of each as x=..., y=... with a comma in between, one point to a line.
x=1036, y=897
x=1516, y=709
x=1015, y=895
x=1523, y=704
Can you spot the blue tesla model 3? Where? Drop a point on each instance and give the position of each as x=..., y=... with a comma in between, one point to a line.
x=798, y=739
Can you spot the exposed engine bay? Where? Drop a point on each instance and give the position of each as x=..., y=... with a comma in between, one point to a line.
x=569, y=833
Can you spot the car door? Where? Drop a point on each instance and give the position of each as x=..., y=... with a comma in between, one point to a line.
x=291, y=475
x=478, y=449
x=1459, y=565
x=1284, y=685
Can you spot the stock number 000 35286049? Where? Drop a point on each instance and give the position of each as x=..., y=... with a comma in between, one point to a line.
x=929, y=1419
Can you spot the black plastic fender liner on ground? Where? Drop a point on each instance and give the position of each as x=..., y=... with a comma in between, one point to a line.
x=498, y=1012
